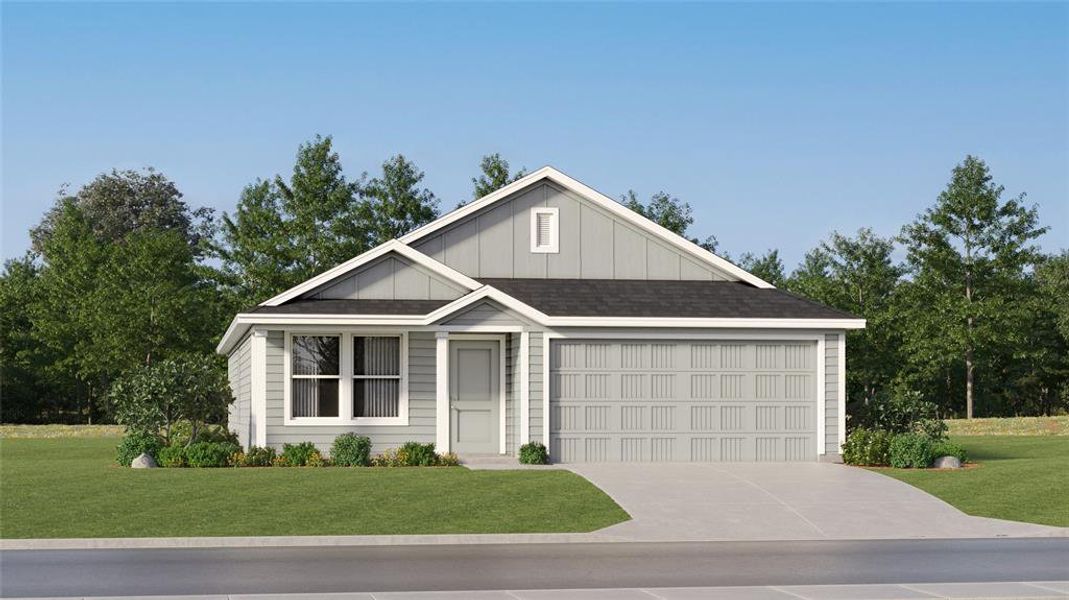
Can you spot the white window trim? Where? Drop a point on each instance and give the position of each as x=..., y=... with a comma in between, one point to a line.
x=554, y=230
x=345, y=383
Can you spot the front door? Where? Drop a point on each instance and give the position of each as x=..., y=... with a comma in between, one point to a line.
x=474, y=396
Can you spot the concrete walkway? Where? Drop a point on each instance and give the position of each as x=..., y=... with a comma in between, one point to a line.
x=950, y=591
x=803, y=501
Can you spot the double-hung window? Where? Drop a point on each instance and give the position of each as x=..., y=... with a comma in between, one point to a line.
x=316, y=375
x=346, y=378
x=376, y=376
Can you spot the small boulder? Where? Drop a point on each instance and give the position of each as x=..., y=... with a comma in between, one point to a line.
x=143, y=461
x=946, y=462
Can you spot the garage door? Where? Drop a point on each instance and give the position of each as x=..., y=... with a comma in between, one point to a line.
x=682, y=401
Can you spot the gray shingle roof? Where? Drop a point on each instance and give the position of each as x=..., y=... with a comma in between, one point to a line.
x=641, y=298
x=353, y=307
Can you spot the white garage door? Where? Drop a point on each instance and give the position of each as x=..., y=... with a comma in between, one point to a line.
x=682, y=401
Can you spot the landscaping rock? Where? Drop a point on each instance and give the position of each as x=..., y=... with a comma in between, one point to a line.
x=946, y=462
x=143, y=461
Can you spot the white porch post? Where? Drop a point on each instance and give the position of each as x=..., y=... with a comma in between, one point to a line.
x=525, y=387
x=441, y=412
x=258, y=387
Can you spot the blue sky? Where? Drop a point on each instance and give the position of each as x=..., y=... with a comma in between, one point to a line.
x=778, y=123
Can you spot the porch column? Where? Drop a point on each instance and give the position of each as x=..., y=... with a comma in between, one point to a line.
x=258, y=388
x=525, y=387
x=441, y=413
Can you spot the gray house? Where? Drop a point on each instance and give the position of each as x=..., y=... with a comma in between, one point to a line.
x=547, y=312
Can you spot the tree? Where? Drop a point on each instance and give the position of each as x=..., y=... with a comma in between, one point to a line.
x=152, y=399
x=767, y=266
x=120, y=202
x=395, y=203
x=858, y=275
x=669, y=212
x=495, y=174
x=967, y=256
x=285, y=232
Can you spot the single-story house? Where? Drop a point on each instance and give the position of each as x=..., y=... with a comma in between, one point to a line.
x=548, y=312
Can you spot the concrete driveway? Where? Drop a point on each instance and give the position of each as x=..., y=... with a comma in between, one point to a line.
x=799, y=501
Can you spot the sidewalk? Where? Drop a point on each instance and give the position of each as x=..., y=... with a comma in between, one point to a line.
x=950, y=591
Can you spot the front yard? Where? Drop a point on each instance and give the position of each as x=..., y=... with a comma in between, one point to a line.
x=70, y=487
x=1016, y=477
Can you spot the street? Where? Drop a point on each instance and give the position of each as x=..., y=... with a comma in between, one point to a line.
x=525, y=566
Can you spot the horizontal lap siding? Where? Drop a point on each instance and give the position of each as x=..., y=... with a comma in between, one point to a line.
x=421, y=402
x=239, y=371
x=831, y=393
x=512, y=390
x=536, y=383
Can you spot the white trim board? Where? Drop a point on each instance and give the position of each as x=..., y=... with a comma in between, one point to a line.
x=615, y=208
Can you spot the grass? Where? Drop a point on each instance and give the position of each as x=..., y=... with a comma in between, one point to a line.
x=1017, y=477
x=1010, y=426
x=70, y=487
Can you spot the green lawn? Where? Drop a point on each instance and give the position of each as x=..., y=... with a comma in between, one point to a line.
x=1019, y=478
x=70, y=487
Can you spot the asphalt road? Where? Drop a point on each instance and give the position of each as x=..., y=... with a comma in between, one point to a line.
x=526, y=566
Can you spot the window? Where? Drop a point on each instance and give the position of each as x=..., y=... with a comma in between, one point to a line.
x=345, y=378
x=376, y=376
x=544, y=230
x=315, y=375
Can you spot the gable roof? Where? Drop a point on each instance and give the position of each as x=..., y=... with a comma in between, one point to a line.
x=602, y=201
x=394, y=246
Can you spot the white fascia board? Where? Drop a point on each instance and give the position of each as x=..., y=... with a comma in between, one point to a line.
x=488, y=293
x=707, y=323
x=376, y=252
x=614, y=207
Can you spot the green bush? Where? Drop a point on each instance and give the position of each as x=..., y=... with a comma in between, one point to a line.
x=948, y=448
x=210, y=454
x=869, y=447
x=419, y=455
x=351, y=450
x=182, y=430
x=172, y=456
x=898, y=411
x=316, y=459
x=911, y=451
x=297, y=455
x=534, y=453
x=258, y=457
x=135, y=443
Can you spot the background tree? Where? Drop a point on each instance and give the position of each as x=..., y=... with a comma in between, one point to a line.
x=967, y=256
x=768, y=266
x=395, y=203
x=669, y=212
x=494, y=175
x=859, y=275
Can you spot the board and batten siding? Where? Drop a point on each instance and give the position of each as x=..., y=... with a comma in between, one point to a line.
x=831, y=393
x=421, y=402
x=593, y=243
x=239, y=373
x=391, y=277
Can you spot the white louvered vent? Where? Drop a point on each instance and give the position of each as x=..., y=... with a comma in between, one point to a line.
x=544, y=230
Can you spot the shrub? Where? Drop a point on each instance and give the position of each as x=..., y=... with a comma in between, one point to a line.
x=391, y=457
x=280, y=461
x=315, y=459
x=183, y=430
x=172, y=456
x=258, y=457
x=948, y=448
x=534, y=453
x=449, y=459
x=898, y=411
x=351, y=450
x=870, y=447
x=297, y=455
x=210, y=454
x=135, y=443
x=419, y=455
x=911, y=451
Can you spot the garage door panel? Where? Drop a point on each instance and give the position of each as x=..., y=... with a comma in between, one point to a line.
x=676, y=401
